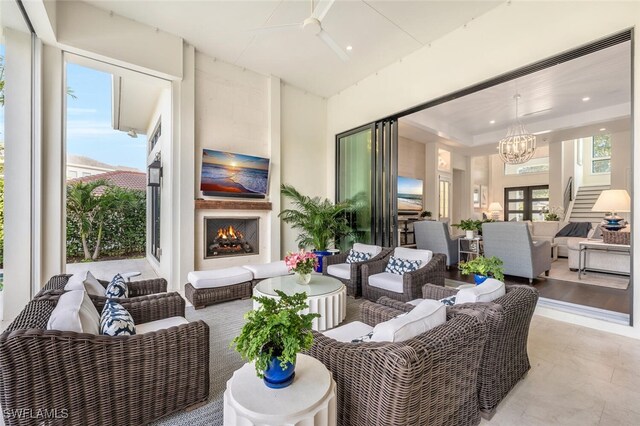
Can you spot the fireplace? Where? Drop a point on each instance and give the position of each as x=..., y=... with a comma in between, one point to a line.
x=231, y=236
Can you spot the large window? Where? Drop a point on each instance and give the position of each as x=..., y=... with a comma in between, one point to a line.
x=535, y=165
x=526, y=202
x=601, y=154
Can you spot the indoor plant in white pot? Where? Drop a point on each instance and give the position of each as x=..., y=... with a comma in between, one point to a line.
x=273, y=336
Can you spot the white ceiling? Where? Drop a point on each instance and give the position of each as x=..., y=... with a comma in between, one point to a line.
x=381, y=32
x=551, y=100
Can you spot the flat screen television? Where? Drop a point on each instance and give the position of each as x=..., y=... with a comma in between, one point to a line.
x=409, y=195
x=228, y=174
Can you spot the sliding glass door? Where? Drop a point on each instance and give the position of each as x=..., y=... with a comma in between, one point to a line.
x=366, y=162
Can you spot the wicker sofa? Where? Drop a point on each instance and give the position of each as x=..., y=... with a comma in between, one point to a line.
x=56, y=284
x=412, y=282
x=427, y=380
x=354, y=282
x=94, y=379
x=505, y=360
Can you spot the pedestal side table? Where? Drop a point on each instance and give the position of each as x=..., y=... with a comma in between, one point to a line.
x=309, y=400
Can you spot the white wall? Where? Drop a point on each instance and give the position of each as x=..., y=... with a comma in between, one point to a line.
x=621, y=161
x=480, y=51
x=304, y=162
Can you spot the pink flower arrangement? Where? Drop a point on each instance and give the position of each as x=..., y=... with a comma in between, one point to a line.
x=301, y=262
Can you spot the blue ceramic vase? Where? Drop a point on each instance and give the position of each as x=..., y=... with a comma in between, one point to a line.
x=277, y=378
x=320, y=255
x=479, y=279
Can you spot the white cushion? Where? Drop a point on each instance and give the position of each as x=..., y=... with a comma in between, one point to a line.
x=414, y=254
x=161, y=324
x=340, y=270
x=219, y=277
x=367, y=248
x=75, y=312
x=415, y=302
x=427, y=315
x=348, y=332
x=488, y=291
x=268, y=270
x=84, y=280
x=387, y=281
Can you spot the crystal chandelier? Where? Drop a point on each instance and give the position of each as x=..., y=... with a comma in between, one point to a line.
x=519, y=145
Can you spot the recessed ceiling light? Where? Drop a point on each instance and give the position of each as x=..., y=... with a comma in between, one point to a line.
x=492, y=122
x=349, y=47
x=585, y=99
x=603, y=129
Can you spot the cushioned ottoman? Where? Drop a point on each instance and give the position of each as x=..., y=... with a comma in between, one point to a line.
x=220, y=285
x=267, y=270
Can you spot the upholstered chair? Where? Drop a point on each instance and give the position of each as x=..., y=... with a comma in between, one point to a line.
x=350, y=273
x=434, y=236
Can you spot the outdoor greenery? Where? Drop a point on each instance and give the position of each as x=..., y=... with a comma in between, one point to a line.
x=111, y=224
x=275, y=329
x=320, y=222
x=487, y=266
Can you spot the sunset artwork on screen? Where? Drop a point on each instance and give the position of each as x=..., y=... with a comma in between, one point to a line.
x=234, y=175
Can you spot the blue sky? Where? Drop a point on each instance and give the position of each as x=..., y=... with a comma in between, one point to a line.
x=89, y=130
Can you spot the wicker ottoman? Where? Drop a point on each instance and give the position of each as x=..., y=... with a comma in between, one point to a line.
x=220, y=285
x=263, y=271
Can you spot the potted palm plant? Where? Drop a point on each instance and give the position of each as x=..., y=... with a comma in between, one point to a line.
x=320, y=222
x=483, y=268
x=273, y=335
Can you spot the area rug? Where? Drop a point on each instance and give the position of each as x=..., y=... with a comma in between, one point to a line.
x=560, y=271
x=225, y=321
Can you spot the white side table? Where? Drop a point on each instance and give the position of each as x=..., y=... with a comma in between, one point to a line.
x=309, y=400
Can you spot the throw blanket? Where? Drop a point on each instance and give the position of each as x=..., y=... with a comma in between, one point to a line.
x=575, y=229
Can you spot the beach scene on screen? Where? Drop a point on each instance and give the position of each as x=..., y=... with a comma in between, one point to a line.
x=409, y=194
x=227, y=172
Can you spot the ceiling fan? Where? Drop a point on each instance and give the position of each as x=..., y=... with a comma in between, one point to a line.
x=312, y=25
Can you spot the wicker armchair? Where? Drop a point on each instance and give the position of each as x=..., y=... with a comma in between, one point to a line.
x=136, y=288
x=412, y=282
x=93, y=379
x=354, y=283
x=505, y=360
x=427, y=380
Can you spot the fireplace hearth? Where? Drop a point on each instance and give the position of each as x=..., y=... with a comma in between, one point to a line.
x=225, y=237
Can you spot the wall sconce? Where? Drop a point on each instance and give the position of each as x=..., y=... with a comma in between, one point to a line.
x=154, y=172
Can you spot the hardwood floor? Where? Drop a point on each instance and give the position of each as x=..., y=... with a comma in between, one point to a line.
x=609, y=299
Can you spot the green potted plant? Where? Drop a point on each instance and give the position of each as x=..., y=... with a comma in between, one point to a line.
x=274, y=334
x=483, y=268
x=425, y=214
x=320, y=221
x=552, y=214
x=470, y=226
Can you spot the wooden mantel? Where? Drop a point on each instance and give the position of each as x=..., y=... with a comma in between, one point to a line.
x=232, y=205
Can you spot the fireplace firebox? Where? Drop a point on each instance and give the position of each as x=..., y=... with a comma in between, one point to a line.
x=231, y=236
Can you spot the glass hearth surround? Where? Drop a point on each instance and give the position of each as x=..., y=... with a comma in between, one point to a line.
x=231, y=236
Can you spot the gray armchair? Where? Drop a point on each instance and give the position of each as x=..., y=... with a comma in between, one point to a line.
x=434, y=236
x=511, y=242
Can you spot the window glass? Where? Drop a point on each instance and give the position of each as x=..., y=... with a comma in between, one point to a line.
x=535, y=165
x=601, y=147
x=601, y=166
x=540, y=193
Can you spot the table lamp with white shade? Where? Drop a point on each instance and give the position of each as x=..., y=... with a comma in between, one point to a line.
x=495, y=208
x=613, y=201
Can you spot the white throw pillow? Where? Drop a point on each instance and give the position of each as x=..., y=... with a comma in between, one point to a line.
x=85, y=280
x=414, y=254
x=427, y=315
x=488, y=291
x=367, y=248
x=75, y=312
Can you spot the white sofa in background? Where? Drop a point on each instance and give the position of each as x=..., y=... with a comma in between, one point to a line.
x=546, y=231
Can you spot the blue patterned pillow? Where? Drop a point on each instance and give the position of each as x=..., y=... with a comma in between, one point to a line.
x=116, y=320
x=448, y=301
x=401, y=266
x=357, y=256
x=365, y=338
x=117, y=288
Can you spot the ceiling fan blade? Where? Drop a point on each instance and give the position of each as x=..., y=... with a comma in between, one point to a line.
x=273, y=29
x=322, y=8
x=329, y=41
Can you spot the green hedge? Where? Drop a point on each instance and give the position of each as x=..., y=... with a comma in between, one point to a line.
x=124, y=230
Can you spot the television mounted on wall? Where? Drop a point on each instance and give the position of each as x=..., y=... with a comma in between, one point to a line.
x=409, y=195
x=228, y=174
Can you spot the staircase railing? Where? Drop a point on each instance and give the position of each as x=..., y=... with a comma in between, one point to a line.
x=568, y=194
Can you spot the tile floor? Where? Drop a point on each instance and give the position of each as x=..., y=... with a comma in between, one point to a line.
x=578, y=376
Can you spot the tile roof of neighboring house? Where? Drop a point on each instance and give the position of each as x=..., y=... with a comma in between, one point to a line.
x=121, y=178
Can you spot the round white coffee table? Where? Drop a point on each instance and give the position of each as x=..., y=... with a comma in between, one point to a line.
x=309, y=400
x=326, y=295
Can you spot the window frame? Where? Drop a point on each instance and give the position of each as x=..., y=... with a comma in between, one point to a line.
x=595, y=159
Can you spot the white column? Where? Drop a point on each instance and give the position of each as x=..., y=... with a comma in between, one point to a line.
x=275, y=168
